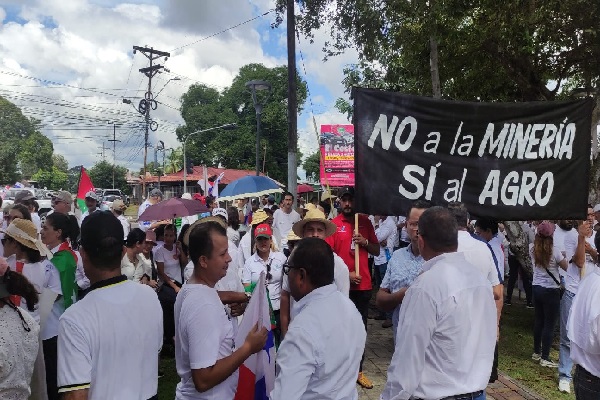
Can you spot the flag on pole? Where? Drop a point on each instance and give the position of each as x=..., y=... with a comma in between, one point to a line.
x=257, y=374
x=85, y=185
x=214, y=189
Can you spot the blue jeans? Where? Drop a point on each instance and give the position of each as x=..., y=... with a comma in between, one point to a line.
x=565, y=364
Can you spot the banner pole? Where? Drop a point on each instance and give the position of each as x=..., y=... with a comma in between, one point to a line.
x=356, y=247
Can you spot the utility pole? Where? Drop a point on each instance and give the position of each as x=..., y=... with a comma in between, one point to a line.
x=102, y=154
x=114, y=140
x=292, y=100
x=148, y=101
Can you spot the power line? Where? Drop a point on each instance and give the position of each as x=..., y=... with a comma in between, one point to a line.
x=224, y=30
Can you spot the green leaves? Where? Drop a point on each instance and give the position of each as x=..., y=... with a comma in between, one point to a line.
x=101, y=175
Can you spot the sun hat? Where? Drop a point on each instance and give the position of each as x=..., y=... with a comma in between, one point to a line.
x=263, y=230
x=259, y=216
x=546, y=229
x=219, y=220
x=292, y=237
x=92, y=195
x=119, y=205
x=220, y=212
x=63, y=195
x=314, y=215
x=25, y=232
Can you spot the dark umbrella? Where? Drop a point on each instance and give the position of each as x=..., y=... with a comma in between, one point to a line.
x=173, y=208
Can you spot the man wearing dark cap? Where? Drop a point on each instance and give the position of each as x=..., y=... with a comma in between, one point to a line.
x=96, y=360
x=345, y=243
x=447, y=323
x=27, y=198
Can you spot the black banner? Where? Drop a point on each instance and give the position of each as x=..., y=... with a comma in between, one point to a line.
x=510, y=161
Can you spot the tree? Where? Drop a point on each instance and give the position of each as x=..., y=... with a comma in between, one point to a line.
x=55, y=179
x=312, y=166
x=14, y=129
x=151, y=168
x=203, y=107
x=174, y=161
x=73, y=178
x=101, y=175
x=60, y=162
x=36, y=154
x=488, y=50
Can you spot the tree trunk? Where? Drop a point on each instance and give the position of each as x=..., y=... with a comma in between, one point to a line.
x=434, y=66
x=519, y=244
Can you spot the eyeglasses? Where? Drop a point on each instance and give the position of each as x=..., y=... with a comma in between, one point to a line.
x=287, y=267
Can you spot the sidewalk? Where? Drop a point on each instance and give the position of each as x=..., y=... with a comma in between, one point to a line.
x=378, y=354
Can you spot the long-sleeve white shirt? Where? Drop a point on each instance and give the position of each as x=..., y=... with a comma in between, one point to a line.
x=446, y=333
x=386, y=231
x=320, y=355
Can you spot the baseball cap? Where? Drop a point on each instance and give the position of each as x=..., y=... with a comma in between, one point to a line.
x=271, y=198
x=92, y=195
x=156, y=193
x=186, y=196
x=546, y=229
x=118, y=205
x=63, y=195
x=24, y=195
x=597, y=208
x=221, y=212
x=263, y=230
x=346, y=190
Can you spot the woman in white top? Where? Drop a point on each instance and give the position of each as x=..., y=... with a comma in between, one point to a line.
x=132, y=264
x=20, y=335
x=170, y=275
x=546, y=258
x=270, y=262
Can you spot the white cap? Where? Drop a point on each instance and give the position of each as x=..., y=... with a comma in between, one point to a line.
x=597, y=208
x=220, y=212
x=92, y=195
x=186, y=196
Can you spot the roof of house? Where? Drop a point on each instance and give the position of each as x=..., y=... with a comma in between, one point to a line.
x=230, y=175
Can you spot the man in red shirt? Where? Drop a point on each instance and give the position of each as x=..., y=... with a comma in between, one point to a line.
x=344, y=243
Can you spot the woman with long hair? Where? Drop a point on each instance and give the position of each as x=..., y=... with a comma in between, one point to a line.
x=546, y=258
x=132, y=264
x=58, y=231
x=170, y=274
x=20, y=335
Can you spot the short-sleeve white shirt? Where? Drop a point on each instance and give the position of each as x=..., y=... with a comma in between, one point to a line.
x=573, y=275
x=540, y=275
x=255, y=265
x=171, y=261
x=109, y=342
x=284, y=222
x=478, y=254
x=196, y=308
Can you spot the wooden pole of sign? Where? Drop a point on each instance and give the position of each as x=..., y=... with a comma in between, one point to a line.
x=356, y=247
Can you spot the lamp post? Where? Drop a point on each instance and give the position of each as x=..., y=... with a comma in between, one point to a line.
x=227, y=127
x=254, y=86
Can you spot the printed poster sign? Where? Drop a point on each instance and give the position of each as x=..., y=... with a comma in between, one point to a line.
x=337, y=155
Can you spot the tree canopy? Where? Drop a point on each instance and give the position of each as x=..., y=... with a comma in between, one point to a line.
x=101, y=175
x=204, y=107
x=488, y=50
x=312, y=166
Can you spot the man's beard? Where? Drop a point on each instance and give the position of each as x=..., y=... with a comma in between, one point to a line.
x=348, y=212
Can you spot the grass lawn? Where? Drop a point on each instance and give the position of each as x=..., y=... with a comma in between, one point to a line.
x=132, y=210
x=515, y=349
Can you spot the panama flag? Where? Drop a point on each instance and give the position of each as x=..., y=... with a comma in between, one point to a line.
x=257, y=374
x=214, y=188
x=85, y=185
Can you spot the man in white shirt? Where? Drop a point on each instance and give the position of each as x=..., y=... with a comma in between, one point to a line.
x=320, y=355
x=205, y=354
x=584, y=330
x=386, y=232
x=447, y=324
x=92, y=201
x=284, y=218
x=316, y=225
x=155, y=196
x=583, y=263
x=95, y=361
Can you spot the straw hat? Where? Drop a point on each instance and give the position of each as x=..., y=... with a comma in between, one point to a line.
x=219, y=220
x=312, y=216
x=259, y=216
x=292, y=237
x=119, y=205
x=25, y=232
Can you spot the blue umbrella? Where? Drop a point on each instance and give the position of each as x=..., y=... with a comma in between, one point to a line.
x=249, y=186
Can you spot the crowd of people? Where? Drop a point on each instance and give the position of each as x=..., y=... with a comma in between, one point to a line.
x=87, y=305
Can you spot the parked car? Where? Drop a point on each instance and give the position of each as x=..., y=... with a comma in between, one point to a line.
x=40, y=196
x=107, y=201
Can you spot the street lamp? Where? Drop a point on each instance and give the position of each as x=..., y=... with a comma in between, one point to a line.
x=227, y=127
x=163, y=88
x=258, y=106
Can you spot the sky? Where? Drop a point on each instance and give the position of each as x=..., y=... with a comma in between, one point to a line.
x=70, y=64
